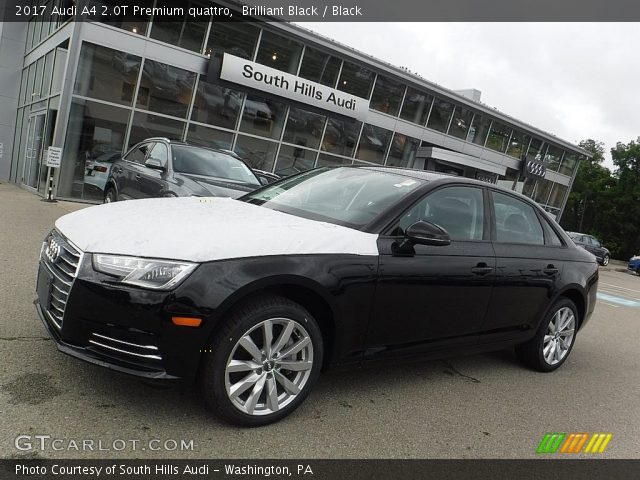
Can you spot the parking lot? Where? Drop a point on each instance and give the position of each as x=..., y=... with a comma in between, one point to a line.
x=483, y=406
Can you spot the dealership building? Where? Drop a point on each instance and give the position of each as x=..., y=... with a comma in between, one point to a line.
x=284, y=98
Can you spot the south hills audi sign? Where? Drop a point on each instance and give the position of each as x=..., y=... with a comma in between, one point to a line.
x=260, y=77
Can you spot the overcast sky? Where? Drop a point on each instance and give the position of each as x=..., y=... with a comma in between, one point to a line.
x=575, y=80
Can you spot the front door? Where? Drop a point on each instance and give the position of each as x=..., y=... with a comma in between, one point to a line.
x=34, y=151
x=432, y=296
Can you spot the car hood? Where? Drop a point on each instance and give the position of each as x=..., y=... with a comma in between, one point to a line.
x=217, y=187
x=205, y=229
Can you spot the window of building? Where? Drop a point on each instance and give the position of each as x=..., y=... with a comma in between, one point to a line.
x=373, y=144
x=209, y=137
x=23, y=85
x=106, y=74
x=48, y=70
x=569, y=162
x=235, y=38
x=319, y=67
x=135, y=23
x=416, y=106
x=165, y=89
x=216, y=105
x=508, y=179
x=459, y=210
x=258, y=153
x=263, y=117
x=325, y=160
x=403, y=151
x=37, y=85
x=340, y=136
x=440, y=115
x=479, y=129
x=516, y=222
x=95, y=133
x=30, y=81
x=279, y=52
x=292, y=160
x=499, y=135
x=58, y=70
x=462, y=118
x=536, y=150
x=558, y=193
x=146, y=125
x=181, y=31
x=543, y=188
x=552, y=158
x=518, y=144
x=387, y=95
x=304, y=128
x=356, y=80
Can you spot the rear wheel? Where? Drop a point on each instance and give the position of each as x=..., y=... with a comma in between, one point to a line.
x=110, y=196
x=553, y=342
x=262, y=363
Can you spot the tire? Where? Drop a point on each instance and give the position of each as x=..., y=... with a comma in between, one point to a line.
x=250, y=378
x=534, y=353
x=110, y=195
x=605, y=260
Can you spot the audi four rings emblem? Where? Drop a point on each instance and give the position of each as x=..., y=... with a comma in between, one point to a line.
x=53, y=250
x=536, y=169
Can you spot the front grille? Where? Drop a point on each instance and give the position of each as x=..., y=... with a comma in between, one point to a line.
x=61, y=259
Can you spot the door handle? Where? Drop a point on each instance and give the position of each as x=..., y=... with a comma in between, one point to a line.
x=550, y=270
x=482, y=269
x=137, y=176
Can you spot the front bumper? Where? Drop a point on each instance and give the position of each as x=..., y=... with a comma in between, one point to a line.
x=634, y=266
x=126, y=329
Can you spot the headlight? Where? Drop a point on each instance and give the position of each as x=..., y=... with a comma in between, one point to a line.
x=143, y=272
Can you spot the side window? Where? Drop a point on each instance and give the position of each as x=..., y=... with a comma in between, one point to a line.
x=551, y=236
x=459, y=210
x=516, y=222
x=160, y=153
x=595, y=242
x=138, y=154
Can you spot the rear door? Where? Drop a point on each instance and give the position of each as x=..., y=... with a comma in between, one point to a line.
x=529, y=265
x=428, y=297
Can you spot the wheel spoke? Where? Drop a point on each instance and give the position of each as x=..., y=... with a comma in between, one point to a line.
x=242, y=366
x=289, y=386
x=547, y=339
x=243, y=385
x=549, y=348
x=248, y=344
x=267, y=328
x=272, y=394
x=567, y=332
x=296, y=347
x=552, y=324
x=295, y=366
x=250, y=404
x=284, y=337
x=557, y=353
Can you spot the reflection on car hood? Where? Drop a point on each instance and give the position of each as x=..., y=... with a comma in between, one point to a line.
x=218, y=187
x=205, y=229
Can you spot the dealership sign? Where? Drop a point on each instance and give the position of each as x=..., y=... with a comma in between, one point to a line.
x=260, y=77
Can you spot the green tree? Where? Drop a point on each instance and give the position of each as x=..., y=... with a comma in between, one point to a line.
x=626, y=158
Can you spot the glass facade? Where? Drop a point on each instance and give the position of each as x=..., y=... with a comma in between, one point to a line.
x=120, y=98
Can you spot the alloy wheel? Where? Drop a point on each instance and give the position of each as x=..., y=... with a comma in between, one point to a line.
x=269, y=366
x=559, y=336
x=605, y=260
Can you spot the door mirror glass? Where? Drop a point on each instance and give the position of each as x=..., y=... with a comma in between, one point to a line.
x=427, y=233
x=263, y=180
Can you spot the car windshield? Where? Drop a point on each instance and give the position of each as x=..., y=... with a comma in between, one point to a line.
x=209, y=163
x=352, y=197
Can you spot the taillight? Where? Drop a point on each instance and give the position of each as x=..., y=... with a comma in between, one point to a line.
x=100, y=169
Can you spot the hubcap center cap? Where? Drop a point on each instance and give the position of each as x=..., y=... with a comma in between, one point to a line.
x=268, y=365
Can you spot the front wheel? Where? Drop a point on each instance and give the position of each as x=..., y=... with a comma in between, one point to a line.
x=605, y=260
x=262, y=363
x=553, y=342
x=110, y=196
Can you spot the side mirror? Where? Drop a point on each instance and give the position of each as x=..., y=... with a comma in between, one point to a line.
x=427, y=233
x=155, y=164
x=263, y=180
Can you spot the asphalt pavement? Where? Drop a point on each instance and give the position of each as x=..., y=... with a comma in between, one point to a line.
x=482, y=406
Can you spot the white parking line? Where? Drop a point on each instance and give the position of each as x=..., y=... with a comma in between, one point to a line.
x=622, y=294
x=610, y=304
x=618, y=286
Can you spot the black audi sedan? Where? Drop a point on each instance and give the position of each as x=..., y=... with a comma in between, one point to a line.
x=254, y=297
x=159, y=167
